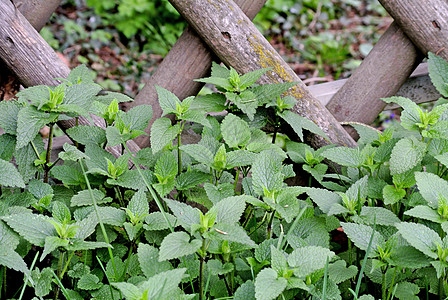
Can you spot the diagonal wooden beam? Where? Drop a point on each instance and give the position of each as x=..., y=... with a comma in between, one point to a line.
x=236, y=41
x=424, y=22
x=381, y=74
x=32, y=60
x=188, y=59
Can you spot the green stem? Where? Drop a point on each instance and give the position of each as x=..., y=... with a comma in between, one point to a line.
x=103, y=229
x=108, y=279
x=48, y=156
x=128, y=260
x=119, y=196
x=201, y=272
x=392, y=284
x=59, y=272
x=237, y=175
x=383, y=284
x=269, y=229
x=67, y=264
x=151, y=190
x=293, y=226
x=35, y=150
x=179, y=154
x=27, y=277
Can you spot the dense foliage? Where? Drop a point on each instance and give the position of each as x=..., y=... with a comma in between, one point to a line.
x=215, y=219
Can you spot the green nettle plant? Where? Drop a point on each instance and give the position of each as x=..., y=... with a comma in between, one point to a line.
x=215, y=219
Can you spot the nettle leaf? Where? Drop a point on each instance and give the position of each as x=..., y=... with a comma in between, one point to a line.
x=185, y=214
x=197, y=116
x=392, y=195
x=199, y=153
x=229, y=210
x=138, y=117
x=51, y=244
x=344, y=156
x=114, y=137
x=29, y=122
x=68, y=175
x=239, y=158
x=338, y=272
x=131, y=179
x=268, y=285
x=89, y=282
x=245, y=101
x=216, y=267
x=130, y=291
x=83, y=198
x=25, y=158
x=249, y=78
x=410, y=116
x=325, y=199
x=309, y=259
x=162, y=134
x=266, y=92
x=98, y=158
x=191, y=179
x=431, y=187
x=34, y=228
x=406, y=154
x=148, y=257
x=138, y=206
x=86, y=134
x=245, y=291
x=39, y=189
x=278, y=261
x=219, y=192
x=177, y=244
x=210, y=103
x=266, y=172
x=8, y=237
x=71, y=153
x=166, y=166
x=81, y=74
x=424, y=212
x=409, y=257
x=60, y=212
x=167, y=100
x=379, y=215
x=106, y=97
x=9, y=176
x=360, y=235
x=7, y=146
x=420, y=237
x=164, y=285
x=156, y=221
x=81, y=95
x=11, y=259
x=438, y=71
x=9, y=116
x=298, y=123
x=231, y=233
x=235, y=131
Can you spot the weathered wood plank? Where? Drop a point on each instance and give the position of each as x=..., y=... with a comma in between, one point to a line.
x=236, y=41
x=188, y=59
x=380, y=75
x=418, y=88
x=424, y=22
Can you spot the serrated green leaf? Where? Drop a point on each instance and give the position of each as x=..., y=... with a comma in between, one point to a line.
x=81, y=74
x=83, y=198
x=60, y=212
x=249, y=78
x=298, y=123
x=25, y=158
x=266, y=172
x=245, y=101
x=185, y=214
x=216, y=267
x=191, y=179
x=438, y=71
x=219, y=82
x=177, y=244
x=407, y=291
x=106, y=97
x=210, y=103
x=197, y=116
x=378, y=215
x=132, y=230
x=114, y=137
x=89, y=282
x=131, y=179
x=39, y=189
x=7, y=146
x=406, y=154
x=166, y=166
x=167, y=100
x=81, y=95
x=156, y=221
x=345, y=156
x=51, y=244
x=9, y=116
x=420, y=237
x=8, y=237
x=78, y=245
x=338, y=272
x=325, y=199
x=34, y=228
x=9, y=176
x=219, y=192
x=229, y=210
x=392, y=195
x=410, y=117
x=268, y=285
x=11, y=259
x=431, y=187
x=71, y=153
x=98, y=157
x=231, y=233
x=138, y=117
x=162, y=285
x=424, y=212
x=309, y=231
x=138, y=205
x=278, y=261
x=148, y=257
x=361, y=234
x=409, y=257
x=245, y=291
x=266, y=92
x=239, y=158
x=199, y=153
x=235, y=131
x=68, y=175
x=308, y=259
x=162, y=133
x=29, y=122
x=86, y=134
x=130, y=291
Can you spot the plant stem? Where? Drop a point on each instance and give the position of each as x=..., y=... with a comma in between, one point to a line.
x=48, y=156
x=269, y=229
x=59, y=272
x=237, y=175
x=151, y=190
x=201, y=272
x=103, y=229
x=66, y=264
x=383, y=284
x=35, y=149
x=392, y=283
x=179, y=157
x=27, y=277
